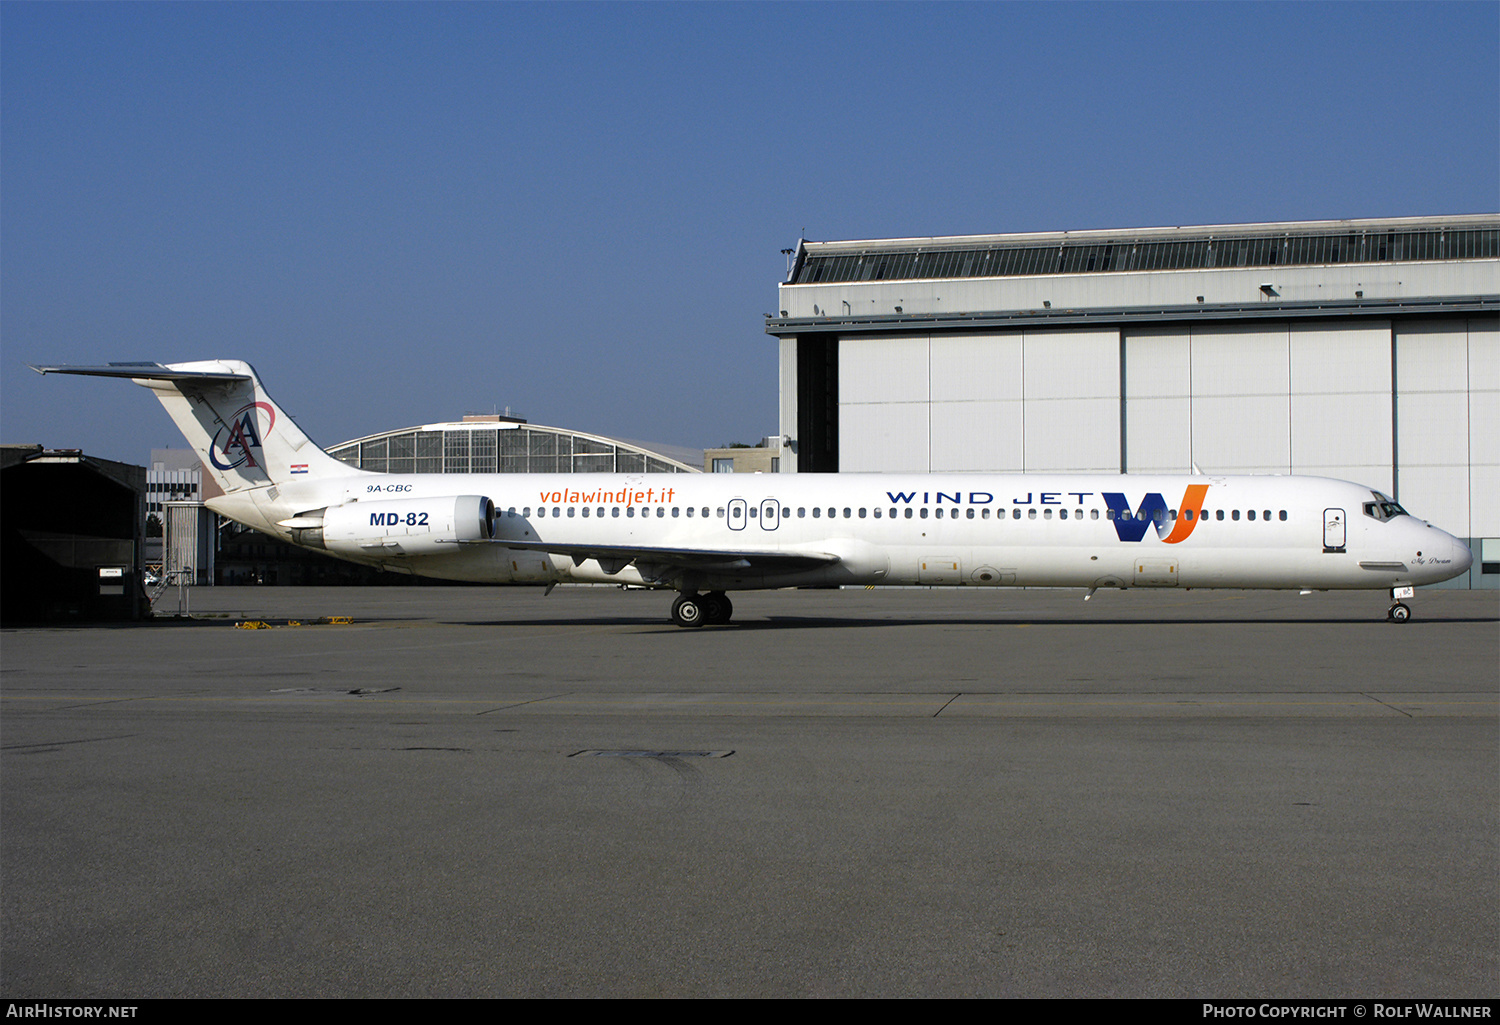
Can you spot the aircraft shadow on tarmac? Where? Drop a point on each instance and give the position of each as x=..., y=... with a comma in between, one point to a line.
x=866, y=622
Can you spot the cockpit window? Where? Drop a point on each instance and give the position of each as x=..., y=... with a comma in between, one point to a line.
x=1384, y=508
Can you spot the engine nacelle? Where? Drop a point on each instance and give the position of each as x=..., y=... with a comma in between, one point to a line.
x=401, y=526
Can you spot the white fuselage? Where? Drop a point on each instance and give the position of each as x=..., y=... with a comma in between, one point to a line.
x=1057, y=530
x=717, y=533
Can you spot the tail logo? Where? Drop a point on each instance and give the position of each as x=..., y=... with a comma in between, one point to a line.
x=1131, y=526
x=240, y=435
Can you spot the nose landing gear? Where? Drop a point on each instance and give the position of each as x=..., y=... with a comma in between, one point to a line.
x=1400, y=612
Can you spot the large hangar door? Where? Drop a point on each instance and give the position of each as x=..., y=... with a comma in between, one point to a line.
x=883, y=404
x=1341, y=402
x=1071, y=387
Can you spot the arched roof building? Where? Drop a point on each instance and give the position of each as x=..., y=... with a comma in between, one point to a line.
x=497, y=444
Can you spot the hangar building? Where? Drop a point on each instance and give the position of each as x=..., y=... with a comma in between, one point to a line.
x=70, y=536
x=1366, y=350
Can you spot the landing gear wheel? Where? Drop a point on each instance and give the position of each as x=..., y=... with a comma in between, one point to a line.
x=687, y=610
x=717, y=608
x=1398, y=613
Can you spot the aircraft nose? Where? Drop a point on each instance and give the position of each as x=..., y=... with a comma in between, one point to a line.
x=1462, y=557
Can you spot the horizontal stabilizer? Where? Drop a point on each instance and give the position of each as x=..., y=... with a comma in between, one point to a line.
x=142, y=372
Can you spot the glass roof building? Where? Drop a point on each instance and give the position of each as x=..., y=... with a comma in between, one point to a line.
x=496, y=444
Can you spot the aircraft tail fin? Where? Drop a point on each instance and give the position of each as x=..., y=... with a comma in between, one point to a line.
x=242, y=436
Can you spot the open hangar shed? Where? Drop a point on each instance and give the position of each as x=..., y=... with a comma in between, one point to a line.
x=1365, y=350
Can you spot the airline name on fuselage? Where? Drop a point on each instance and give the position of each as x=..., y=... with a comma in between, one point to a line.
x=1172, y=526
x=983, y=497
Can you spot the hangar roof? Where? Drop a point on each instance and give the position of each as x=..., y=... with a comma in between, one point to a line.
x=1292, y=243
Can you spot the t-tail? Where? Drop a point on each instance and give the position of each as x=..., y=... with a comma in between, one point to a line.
x=244, y=439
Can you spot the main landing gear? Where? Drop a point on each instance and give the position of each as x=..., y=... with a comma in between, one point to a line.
x=698, y=609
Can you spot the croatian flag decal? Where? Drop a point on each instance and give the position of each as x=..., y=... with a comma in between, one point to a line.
x=299, y=467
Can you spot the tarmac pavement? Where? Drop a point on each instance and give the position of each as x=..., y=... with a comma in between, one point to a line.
x=488, y=792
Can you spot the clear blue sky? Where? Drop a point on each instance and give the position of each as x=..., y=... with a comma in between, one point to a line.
x=400, y=213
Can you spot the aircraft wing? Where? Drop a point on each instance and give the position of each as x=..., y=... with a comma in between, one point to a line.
x=692, y=558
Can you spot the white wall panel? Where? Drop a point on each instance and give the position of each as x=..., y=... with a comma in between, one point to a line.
x=1484, y=427
x=1072, y=365
x=978, y=437
x=883, y=389
x=1158, y=400
x=889, y=437
x=1341, y=402
x=977, y=420
x=1432, y=423
x=968, y=368
x=882, y=369
x=1241, y=399
x=1073, y=436
x=1072, y=391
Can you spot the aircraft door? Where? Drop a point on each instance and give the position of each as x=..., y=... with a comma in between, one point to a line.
x=737, y=514
x=1334, y=532
x=770, y=514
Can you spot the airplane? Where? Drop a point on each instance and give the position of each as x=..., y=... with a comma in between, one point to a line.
x=705, y=536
